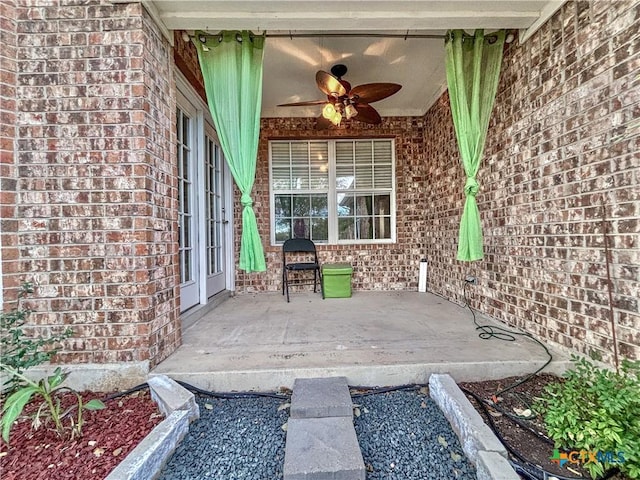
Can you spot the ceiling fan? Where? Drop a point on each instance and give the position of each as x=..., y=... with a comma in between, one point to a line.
x=344, y=101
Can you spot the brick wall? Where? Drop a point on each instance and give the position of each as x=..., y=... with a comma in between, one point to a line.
x=563, y=139
x=96, y=189
x=8, y=226
x=185, y=56
x=376, y=267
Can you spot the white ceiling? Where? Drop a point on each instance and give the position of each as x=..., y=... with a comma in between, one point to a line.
x=290, y=64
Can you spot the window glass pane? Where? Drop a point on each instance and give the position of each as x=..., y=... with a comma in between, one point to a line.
x=382, y=151
x=345, y=175
x=319, y=165
x=319, y=229
x=363, y=205
x=283, y=229
x=300, y=228
x=282, y=206
x=364, y=227
x=363, y=163
x=383, y=177
x=346, y=230
x=300, y=206
x=281, y=178
x=382, y=204
x=300, y=177
x=319, y=207
x=383, y=227
x=345, y=205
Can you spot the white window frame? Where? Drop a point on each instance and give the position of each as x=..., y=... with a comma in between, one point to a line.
x=333, y=193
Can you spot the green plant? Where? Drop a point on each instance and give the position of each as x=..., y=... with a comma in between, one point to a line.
x=19, y=351
x=596, y=410
x=50, y=389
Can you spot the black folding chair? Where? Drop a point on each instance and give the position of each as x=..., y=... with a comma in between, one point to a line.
x=300, y=247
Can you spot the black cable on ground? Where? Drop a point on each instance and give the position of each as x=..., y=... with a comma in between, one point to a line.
x=231, y=395
x=491, y=331
x=135, y=389
x=365, y=391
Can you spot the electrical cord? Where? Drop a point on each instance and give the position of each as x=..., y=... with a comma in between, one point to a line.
x=194, y=389
x=363, y=391
x=231, y=395
x=491, y=331
x=135, y=389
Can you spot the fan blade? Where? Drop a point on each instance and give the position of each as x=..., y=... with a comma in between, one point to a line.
x=322, y=123
x=367, y=114
x=372, y=92
x=329, y=84
x=303, y=104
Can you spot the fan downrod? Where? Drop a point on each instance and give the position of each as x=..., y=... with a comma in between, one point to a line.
x=339, y=70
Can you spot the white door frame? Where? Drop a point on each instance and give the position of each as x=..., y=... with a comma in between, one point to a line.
x=203, y=117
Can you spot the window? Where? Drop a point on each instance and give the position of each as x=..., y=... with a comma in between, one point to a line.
x=336, y=191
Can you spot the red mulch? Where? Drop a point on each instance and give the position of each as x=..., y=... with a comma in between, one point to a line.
x=108, y=435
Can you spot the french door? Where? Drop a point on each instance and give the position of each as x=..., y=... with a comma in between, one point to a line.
x=203, y=227
x=215, y=219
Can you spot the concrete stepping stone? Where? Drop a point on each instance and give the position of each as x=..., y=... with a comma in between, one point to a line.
x=321, y=397
x=321, y=440
x=322, y=449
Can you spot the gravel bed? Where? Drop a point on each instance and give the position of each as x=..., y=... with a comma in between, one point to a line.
x=235, y=438
x=404, y=435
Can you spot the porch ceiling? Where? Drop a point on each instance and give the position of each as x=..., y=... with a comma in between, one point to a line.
x=290, y=64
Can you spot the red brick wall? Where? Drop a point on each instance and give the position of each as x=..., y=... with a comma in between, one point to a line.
x=376, y=267
x=185, y=56
x=96, y=189
x=8, y=226
x=562, y=140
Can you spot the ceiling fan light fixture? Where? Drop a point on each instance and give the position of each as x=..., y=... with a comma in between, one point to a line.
x=336, y=119
x=329, y=111
x=350, y=111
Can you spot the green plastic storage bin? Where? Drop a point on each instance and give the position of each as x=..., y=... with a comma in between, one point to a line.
x=336, y=280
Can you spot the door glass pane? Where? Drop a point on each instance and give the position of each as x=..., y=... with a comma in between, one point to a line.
x=185, y=200
x=213, y=195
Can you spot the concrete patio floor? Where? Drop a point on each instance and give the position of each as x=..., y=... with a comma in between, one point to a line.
x=260, y=342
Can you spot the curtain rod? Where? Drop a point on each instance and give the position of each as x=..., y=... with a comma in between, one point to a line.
x=405, y=36
x=351, y=34
x=335, y=35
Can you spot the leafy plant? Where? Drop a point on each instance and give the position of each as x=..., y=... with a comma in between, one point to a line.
x=19, y=351
x=50, y=389
x=596, y=410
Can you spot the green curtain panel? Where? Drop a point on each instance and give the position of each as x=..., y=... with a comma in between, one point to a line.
x=231, y=64
x=473, y=71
